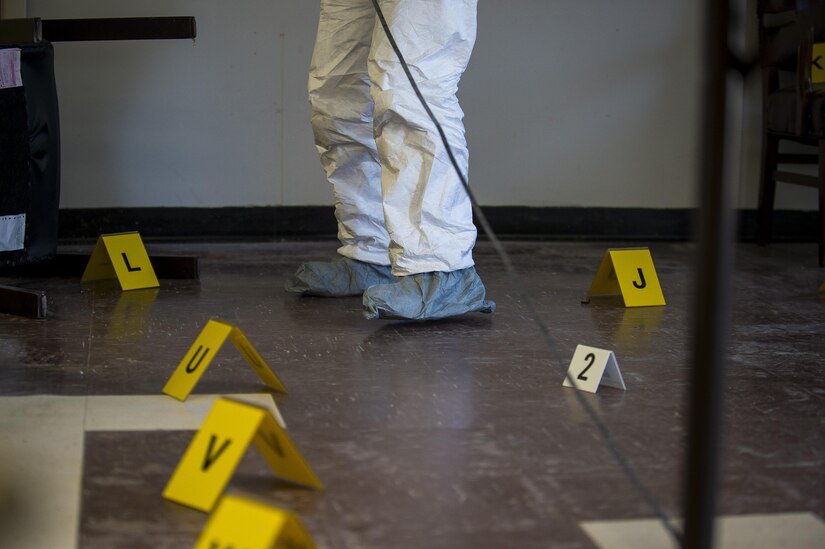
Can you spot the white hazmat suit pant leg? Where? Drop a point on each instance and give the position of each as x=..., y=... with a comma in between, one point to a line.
x=342, y=110
x=398, y=199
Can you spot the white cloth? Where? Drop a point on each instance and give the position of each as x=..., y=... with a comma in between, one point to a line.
x=398, y=200
x=10, y=74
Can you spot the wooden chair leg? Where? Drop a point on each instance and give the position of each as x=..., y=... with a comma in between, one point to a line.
x=767, y=188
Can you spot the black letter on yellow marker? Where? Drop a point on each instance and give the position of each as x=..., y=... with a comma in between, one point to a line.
x=291, y=543
x=216, y=544
x=210, y=458
x=250, y=358
x=128, y=265
x=189, y=368
x=640, y=285
x=271, y=440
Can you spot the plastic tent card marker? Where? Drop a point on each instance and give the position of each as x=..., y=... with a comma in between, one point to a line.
x=818, y=63
x=201, y=353
x=239, y=522
x=121, y=256
x=218, y=446
x=628, y=272
x=591, y=367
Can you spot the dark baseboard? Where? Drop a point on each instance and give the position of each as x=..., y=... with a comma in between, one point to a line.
x=284, y=222
x=194, y=223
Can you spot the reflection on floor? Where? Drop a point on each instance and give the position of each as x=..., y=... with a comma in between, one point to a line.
x=448, y=434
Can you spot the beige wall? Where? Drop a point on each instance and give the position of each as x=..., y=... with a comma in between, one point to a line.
x=12, y=9
x=567, y=103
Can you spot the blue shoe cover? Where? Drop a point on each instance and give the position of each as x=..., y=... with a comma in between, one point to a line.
x=337, y=278
x=428, y=296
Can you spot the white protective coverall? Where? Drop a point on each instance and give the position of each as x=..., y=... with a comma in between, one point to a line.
x=398, y=200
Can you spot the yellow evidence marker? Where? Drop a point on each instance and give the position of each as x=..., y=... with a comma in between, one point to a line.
x=818, y=63
x=201, y=353
x=218, y=446
x=121, y=256
x=628, y=272
x=822, y=288
x=239, y=522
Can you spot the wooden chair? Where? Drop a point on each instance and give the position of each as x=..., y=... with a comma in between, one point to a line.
x=793, y=106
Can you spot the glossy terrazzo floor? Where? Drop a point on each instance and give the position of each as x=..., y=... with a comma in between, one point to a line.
x=449, y=434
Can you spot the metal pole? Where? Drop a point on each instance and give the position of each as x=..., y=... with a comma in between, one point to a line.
x=712, y=287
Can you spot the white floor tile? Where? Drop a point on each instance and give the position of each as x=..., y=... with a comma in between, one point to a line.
x=160, y=412
x=767, y=531
x=40, y=466
x=41, y=461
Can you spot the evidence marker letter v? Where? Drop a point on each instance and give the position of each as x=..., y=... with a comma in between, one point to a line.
x=210, y=457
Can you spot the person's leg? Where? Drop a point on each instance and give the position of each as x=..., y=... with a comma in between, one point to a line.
x=428, y=296
x=427, y=211
x=339, y=94
x=337, y=278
